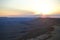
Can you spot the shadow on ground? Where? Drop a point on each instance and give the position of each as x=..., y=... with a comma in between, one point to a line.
x=56, y=33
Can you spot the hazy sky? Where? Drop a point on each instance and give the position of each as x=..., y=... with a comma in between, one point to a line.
x=29, y=4
x=44, y=6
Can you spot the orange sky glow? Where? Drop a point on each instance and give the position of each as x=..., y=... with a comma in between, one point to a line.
x=32, y=7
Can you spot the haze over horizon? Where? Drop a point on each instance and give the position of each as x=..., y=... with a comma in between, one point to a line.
x=32, y=7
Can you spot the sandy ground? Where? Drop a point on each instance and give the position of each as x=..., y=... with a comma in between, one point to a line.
x=56, y=33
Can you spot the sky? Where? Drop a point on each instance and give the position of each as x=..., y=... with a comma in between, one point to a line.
x=44, y=6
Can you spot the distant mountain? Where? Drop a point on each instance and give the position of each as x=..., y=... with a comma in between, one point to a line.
x=13, y=19
x=15, y=13
x=54, y=16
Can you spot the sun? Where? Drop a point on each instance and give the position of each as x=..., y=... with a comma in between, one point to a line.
x=44, y=8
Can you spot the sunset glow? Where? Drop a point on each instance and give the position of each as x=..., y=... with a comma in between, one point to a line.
x=46, y=7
